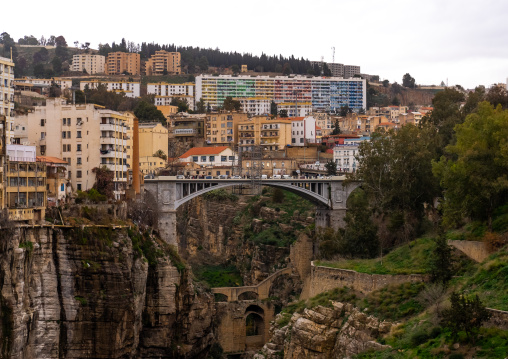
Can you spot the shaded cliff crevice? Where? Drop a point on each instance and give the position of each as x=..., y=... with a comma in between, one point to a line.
x=62, y=342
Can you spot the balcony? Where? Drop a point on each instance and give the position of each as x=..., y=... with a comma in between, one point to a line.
x=113, y=127
x=113, y=154
x=113, y=167
x=110, y=140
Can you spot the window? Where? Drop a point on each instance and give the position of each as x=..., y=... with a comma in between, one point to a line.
x=68, y=134
x=79, y=186
x=64, y=148
x=64, y=121
x=212, y=158
x=43, y=122
x=78, y=134
x=64, y=134
x=218, y=173
x=68, y=122
x=78, y=147
x=43, y=135
x=293, y=140
x=194, y=158
x=69, y=148
x=78, y=160
x=78, y=174
x=203, y=158
x=223, y=158
x=301, y=140
x=231, y=158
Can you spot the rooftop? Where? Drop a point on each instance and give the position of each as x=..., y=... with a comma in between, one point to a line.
x=196, y=151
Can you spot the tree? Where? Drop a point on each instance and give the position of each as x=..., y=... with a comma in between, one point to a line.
x=203, y=63
x=235, y=68
x=498, y=95
x=465, y=315
x=277, y=195
x=60, y=41
x=326, y=71
x=182, y=105
x=395, y=101
x=473, y=171
x=408, y=81
x=442, y=84
x=283, y=113
x=331, y=168
x=386, y=83
x=61, y=48
x=286, y=69
x=273, y=109
x=231, y=105
x=104, y=181
x=441, y=261
x=160, y=154
x=200, y=106
x=57, y=65
x=396, y=171
x=336, y=127
x=54, y=90
x=344, y=110
x=146, y=112
x=39, y=71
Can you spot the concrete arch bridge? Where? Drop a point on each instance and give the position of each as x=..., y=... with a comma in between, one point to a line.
x=329, y=195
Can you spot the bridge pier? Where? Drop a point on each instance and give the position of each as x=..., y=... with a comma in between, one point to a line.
x=326, y=217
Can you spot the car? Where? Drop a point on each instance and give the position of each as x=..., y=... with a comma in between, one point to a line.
x=236, y=177
x=286, y=177
x=208, y=177
x=222, y=177
x=180, y=177
x=276, y=177
x=264, y=177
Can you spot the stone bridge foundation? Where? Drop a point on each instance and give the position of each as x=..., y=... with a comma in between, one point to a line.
x=335, y=218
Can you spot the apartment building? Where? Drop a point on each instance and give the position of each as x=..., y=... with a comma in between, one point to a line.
x=25, y=184
x=57, y=179
x=152, y=138
x=271, y=134
x=350, y=71
x=324, y=121
x=92, y=64
x=210, y=156
x=295, y=109
x=303, y=131
x=164, y=63
x=86, y=136
x=7, y=95
x=118, y=63
x=336, y=69
x=221, y=128
x=151, y=164
x=62, y=82
x=131, y=89
x=186, y=127
x=324, y=94
x=165, y=92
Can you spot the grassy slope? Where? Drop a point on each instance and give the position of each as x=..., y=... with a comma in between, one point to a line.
x=406, y=259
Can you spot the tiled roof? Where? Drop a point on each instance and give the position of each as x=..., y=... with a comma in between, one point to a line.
x=49, y=159
x=196, y=151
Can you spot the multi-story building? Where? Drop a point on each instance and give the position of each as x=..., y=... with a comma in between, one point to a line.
x=92, y=64
x=210, y=156
x=57, y=179
x=86, y=136
x=221, y=128
x=303, y=131
x=295, y=109
x=152, y=138
x=336, y=69
x=163, y=62
x=25, y=184
x=151, y=164
x=350, y=71
x=7, y=95
x=324, y=121
x=271, y=134
x=187, y=128
x=345, y=155
x=325, y=94
x=62, y=82
x=131, y=89
x=119, y=63
x=165, y=92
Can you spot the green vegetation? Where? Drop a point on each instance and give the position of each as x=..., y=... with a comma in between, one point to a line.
x=219, y=275
x=406, y=259
x=220, y=195
x=28, y=245
x=81, y=300
x=91, y=195
x=143, y=246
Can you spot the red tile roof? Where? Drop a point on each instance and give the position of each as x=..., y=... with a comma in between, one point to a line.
x=49, y=159
x=196, y=151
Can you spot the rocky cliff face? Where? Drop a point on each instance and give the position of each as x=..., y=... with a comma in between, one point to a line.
x=73, y=293
x=338, y=332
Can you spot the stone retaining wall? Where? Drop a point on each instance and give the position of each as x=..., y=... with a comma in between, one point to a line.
x=324, y=279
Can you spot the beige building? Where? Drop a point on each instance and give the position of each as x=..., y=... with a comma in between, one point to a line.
x=222, y=128
x=86, y=136
x=130, y=89
x=151, y=164
x=271, y=134
x=152, y=138
x=92, y=64
x=7, y=95
x=118, y=63
x=57, y=179
x=163, y=62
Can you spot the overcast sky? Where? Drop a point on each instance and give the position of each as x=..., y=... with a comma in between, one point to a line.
x=464, y=41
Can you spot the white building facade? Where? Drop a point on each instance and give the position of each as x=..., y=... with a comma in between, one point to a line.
x=210, y=156
x=7, y=95
x=303, y=131
x=131, y=89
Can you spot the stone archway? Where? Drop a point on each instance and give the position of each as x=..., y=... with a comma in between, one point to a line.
x=254, y=327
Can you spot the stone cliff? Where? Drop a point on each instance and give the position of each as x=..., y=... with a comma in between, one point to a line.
x=338, y=332
x=98, y=293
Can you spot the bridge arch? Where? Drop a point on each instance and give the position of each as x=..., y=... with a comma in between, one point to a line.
x=248, y=295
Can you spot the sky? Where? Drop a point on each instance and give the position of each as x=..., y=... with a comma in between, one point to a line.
x=461, y=42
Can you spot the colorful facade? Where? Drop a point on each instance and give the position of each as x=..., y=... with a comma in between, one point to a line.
x=324, y=94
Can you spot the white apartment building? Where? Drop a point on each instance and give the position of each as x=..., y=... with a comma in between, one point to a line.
x=93, y=64
x=345, y=155
x=164, y=92
x=63, y=83
x=210, y=156
x=131, y=89
x=7, y=95
x=254, y=106
x=303, y=131
x=86, y=136
x=295, y=109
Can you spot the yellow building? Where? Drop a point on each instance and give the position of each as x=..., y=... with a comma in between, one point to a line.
x=151, y=164
x=168, y=110
x=119, y=62
x=152, y=138
x=92, y=64
x=221, y=128
x=244, y=68
x=57, y=179
x=163, y=62
x=271, y=134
